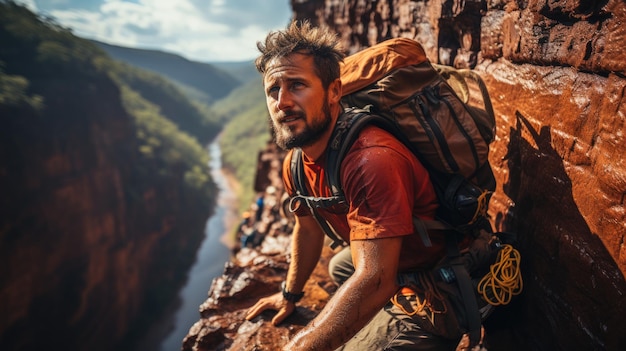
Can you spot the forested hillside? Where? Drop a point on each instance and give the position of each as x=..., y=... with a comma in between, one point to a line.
x=105, y=190
x=203, y=81
x=242, y=112
x=245, y=135
x=244, y=71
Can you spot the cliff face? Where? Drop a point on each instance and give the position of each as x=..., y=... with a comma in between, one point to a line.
x=555, y=71
x=93, y=239
x=83, y=230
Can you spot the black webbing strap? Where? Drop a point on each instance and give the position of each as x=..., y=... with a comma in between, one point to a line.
x=302, y=194
x=339, y=146
x=467, y=290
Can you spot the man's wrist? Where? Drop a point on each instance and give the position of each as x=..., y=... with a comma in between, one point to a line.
x=289, y=296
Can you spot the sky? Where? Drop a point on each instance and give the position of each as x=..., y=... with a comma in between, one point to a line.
x=199, y=30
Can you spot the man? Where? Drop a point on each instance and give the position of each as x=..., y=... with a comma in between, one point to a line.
x=385, y=186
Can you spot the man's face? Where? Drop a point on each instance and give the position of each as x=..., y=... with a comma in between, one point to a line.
x=296, y=100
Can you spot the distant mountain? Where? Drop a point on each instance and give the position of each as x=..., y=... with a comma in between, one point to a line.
x=245, y=71
x=204, y=82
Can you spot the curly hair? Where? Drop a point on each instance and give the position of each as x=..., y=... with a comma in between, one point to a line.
x=303, y=38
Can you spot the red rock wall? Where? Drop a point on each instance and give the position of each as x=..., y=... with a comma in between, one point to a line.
x=83, y=233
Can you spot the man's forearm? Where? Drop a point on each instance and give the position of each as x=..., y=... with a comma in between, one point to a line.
x=306, y=248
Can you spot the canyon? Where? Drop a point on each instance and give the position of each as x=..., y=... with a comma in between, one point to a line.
x=98, y=226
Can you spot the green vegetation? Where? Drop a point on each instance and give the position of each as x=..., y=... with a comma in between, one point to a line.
x=240, y=100
x=161, y=141
x=244, y=71
x=193, y=118
x=245, y=135
x=170, y=128
x=208, y=80
x=14, y=92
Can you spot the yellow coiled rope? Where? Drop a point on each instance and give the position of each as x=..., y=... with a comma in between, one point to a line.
x=504, y=279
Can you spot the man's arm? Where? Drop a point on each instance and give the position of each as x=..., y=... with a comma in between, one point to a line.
x=306, y=247
x=357, y=300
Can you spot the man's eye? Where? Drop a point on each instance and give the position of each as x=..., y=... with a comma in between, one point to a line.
x=272, y=91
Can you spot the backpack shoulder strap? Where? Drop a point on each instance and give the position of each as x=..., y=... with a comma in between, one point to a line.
x=313, y=203
x=466, y=289
x=347, y=130
x=345, y=133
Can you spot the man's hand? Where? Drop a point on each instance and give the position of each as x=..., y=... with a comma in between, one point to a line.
x=275, y=302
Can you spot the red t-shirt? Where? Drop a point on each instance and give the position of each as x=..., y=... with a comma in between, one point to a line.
x=385, y=186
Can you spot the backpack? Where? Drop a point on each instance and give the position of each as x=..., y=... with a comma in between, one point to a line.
x=434, y=111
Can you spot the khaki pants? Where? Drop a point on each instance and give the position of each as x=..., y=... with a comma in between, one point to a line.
x=391, y=329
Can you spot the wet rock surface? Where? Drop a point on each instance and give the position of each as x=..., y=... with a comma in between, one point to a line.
x=555, y=71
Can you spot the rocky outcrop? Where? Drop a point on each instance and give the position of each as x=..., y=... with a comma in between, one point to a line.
x=556, y=74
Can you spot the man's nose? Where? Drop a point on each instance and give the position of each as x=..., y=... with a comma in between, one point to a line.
x=285, y=100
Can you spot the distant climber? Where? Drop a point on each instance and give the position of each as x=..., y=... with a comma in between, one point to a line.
x=260, y=205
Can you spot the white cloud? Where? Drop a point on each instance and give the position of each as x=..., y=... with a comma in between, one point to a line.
x=201, y=30
x=30, y=4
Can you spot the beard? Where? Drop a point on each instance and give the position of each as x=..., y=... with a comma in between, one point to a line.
x=286, y=139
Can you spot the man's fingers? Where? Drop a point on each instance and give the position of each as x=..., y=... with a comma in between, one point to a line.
x=256, y=310
x=274, y=302
x=282, y=314
x=251, y=314
x=279, y=317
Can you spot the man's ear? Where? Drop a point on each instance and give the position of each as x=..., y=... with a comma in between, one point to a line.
x=334, y=91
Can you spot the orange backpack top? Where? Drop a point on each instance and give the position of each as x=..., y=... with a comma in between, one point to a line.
x=399, y=82
x=372, y=64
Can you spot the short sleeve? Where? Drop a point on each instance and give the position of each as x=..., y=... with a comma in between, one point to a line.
x=378, y=182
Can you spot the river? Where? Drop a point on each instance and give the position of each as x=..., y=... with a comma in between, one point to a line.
x=211, y=256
